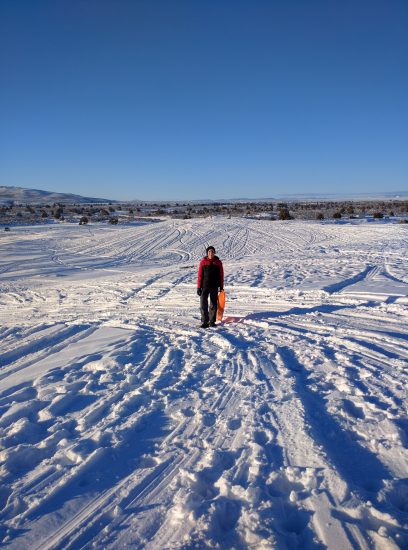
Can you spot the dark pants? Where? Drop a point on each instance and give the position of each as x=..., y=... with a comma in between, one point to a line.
x=205, y=315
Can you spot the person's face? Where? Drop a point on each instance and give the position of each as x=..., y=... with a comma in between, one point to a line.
x=211, y=254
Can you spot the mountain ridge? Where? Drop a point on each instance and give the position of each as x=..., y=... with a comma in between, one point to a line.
x=13, y=194
x=38, y=196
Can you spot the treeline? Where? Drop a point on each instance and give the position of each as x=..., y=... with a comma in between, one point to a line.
x=66, y=212
x=128, y=212
x=298, y=210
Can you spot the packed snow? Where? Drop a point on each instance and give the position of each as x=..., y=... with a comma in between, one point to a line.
x=125, y=425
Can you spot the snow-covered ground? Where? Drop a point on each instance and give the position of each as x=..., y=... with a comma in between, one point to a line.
x=123, y=424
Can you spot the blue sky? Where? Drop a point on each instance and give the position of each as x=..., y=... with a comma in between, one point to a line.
x=204, y=99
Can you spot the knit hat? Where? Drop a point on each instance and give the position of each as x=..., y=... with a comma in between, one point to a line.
x=210, y=248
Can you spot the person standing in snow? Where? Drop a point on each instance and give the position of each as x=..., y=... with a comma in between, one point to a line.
x=210, y=280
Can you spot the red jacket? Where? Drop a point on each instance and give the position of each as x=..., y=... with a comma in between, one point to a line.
x=210, y=273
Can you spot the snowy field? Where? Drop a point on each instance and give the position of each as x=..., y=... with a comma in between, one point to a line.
x=124, y=425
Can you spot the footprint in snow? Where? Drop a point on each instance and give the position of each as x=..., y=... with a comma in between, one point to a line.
x=234, y=423
x=261, y=438
x=353, y=410
x=208, y=419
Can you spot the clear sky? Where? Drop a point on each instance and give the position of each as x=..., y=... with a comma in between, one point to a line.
x=176, y=99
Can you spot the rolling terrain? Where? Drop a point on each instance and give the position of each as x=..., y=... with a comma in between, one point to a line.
x=123, y=424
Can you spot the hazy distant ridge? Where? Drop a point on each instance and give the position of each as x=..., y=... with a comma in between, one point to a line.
x=37, y=196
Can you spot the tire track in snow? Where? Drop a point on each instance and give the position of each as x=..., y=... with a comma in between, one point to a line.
x=237, y=456
x=100, y=457
x=207, y=426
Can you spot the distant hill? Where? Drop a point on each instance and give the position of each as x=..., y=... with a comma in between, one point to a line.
x=300, y=197
x=294, y=197
x=36, y=196
x=385, y=195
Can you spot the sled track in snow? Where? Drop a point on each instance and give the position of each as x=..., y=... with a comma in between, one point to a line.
x=272, y=421
x=121, y=425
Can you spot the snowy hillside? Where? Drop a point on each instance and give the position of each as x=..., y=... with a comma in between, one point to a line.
x=37, y=196
x=124, y=425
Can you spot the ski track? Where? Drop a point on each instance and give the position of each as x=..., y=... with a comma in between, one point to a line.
x=122, y=424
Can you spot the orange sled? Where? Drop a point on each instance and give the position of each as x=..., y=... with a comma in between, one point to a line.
x=220, y=305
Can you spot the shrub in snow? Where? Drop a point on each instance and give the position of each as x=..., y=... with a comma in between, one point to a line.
x=320, y=216
x=337, y=215
x=83, y=221
x=378, y=215
x=113, y=221
x=284, y=214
